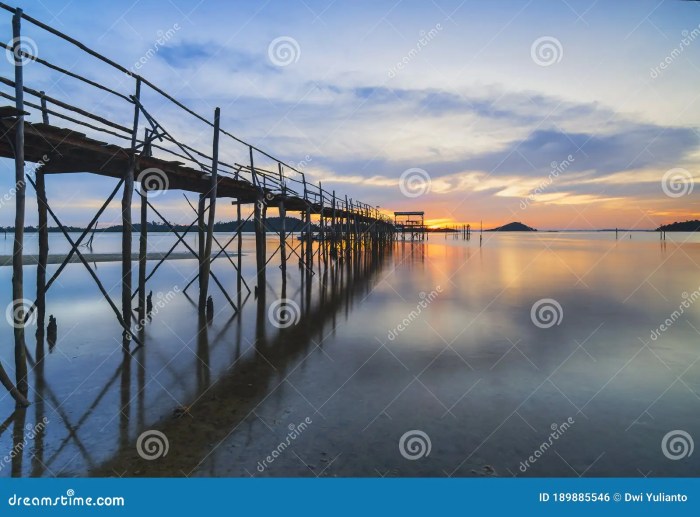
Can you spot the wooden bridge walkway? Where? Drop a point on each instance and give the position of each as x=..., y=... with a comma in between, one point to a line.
x=37, y=126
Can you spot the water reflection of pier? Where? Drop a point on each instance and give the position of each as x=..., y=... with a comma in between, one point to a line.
x=254, y=375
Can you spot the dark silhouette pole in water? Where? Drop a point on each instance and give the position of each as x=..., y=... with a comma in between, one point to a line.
x=210, y=309
x=52, y=332
x=20, y=393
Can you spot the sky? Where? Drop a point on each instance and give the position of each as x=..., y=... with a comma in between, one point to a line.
x=562, y=114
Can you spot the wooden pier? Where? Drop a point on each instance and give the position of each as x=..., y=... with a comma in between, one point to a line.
x=40, y=127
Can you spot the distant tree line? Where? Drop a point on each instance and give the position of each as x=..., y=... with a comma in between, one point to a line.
x=292, y=224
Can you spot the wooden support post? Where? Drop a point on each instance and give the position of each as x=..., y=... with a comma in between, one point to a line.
x=283, y=229
x=201, y=210
x=322, y=229
x=43, y=255
x=18, y=250
x=334, y=230
x=205, y=258
x=260, y=244
x=309, y=241
x=143, y=250
x=126, y=224
x=239, y=276
x=44, y=109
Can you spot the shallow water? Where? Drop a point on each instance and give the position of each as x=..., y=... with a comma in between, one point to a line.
x=435, y=337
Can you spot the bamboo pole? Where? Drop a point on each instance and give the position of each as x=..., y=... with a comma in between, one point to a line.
x=127, y=227
x=205, y=258
x=20, y=186
x=43, y=255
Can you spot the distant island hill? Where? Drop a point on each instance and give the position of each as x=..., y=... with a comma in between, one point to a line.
x=513, y=227
x=293, y=224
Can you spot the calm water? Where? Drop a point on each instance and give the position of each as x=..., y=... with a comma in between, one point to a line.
x=436, y=339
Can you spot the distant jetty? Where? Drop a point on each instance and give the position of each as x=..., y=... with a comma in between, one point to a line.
x=513, y=227
x=686, y=226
